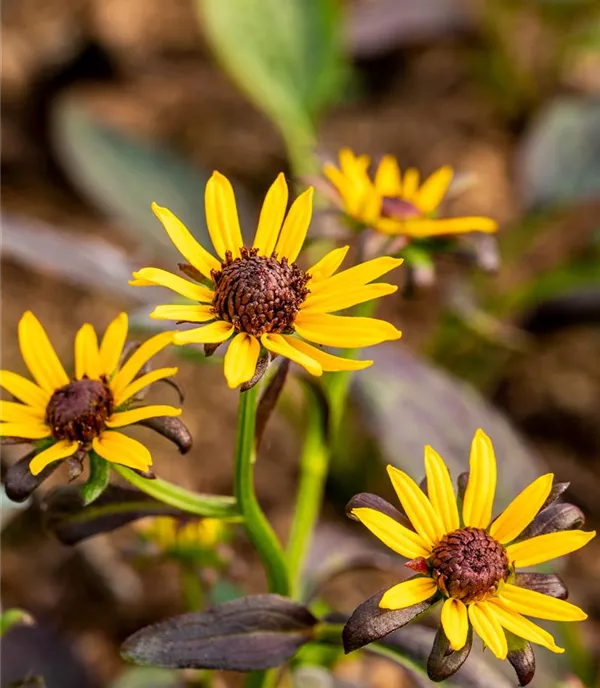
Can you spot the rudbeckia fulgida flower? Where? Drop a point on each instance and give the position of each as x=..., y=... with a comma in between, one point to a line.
x=68, y=416
x=466, y=560
x=258, y=296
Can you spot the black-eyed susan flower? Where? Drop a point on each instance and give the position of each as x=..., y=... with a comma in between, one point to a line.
x=259, y=296
x=466, y=560
x=396, y=204
x=66, y=416
x=184, y=537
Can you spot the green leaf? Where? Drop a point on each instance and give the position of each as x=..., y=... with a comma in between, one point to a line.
x=98, y=479
x=14, y=617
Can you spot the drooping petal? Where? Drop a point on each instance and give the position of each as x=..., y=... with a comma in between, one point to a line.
x=271, y=216
x=30, y=430
x=387, y=178
x=329, y=302
x=328, y=264
x=280, y=344
x=185, y=243
x=60, y=450
x=328, y=362
x=14, y=412
x=479, y=496
x=454, y=225
x=356, y=276
x=213, y=333
x=39, y=355
x=295, y=227
x=408, y=592
x=410, y=184
x=393, y=534
x=112, y=344
x=522, y=510
x=222, y=217
x=23, y=389
x=344, y=331
x=522, y=627
x=138, y=358
x=417, y=507
x=143, y=381
x=118, y=448
x=198, y=314
x=433, y=190
x=240, y=360
x=155, y=277
x=488, y=628
x=440, y=490
x=87, y=356
x=123, y=418
x=455, y=622
x=538, y=605
x=543, y=548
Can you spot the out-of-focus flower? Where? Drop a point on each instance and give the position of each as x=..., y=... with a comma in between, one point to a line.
x=184, y=537
x=466, y=560
x=396, y=204
x=259, y=296
x=70, y=416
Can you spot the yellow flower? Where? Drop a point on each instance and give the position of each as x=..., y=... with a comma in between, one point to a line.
x=174, y=535
x=468, y=560
x=396, y=204
x=81, y=413
x=259, y=295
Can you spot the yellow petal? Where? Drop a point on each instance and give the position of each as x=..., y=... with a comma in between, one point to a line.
x=87, y=357
x=410, y=184
x=393, y=534
x=387, y=178
x=112, y=344
x=407, y=593
x=454, y=225
x=161, y=278
x=328, y=362
x=538, y=605
x=281, y=345
x=433, y=190
x=337, y=178
x=30, y=430
x=208, y=334
x=522, y=627
x=488, y=628
x=118, y=448
x=138, y=358
x=23, y=389
x=185, y=313
x=344, y=331
x=241, y=359
x=327, y=302
x=295, y=227
x=221, y=216
x=522, y=510
x=185, y=243
x=271, y=216
x=455, y=622
x=417, y=507
x=440, y=491
x=39, y=355
x=325, y=267
x=13, y=412
x=123, y=418
x=60, y=450
x=479, y=495
x=143, y=381
x=356, y=276
x=542, y=548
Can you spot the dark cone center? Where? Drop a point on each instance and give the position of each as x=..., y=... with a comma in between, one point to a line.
x=469, y=564
x=398, y=209
x=257, y=294
x=79, y=410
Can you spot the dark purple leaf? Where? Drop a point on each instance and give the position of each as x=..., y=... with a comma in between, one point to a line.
x=556, y=517
x=443, y=662
x=19, y=482
x=171, y=428
x=366, y=500
x=523, y=662
x=546, y=583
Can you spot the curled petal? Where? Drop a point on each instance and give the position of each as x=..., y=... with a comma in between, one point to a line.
x=546, y=583
x=19, y=481
x=171, y=428
x=523, y=662
x=443, y=662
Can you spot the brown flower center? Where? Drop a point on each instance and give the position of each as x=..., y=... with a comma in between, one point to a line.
x=78, y=411
x=258, y=294
x=469, y=564
x=398, y=208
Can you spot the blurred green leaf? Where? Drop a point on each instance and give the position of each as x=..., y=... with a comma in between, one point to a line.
x=148, y=677
x=14, y=617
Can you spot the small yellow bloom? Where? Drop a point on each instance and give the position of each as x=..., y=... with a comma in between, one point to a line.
x=174, y=535
x=396, y=204
x=259, y=296
x=82, y=412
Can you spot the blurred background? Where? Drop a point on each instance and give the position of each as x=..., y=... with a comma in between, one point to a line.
x=111, y=104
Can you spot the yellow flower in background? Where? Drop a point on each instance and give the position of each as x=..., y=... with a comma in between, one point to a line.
x=397, y=204
x=466, y=559
x=259, y=296
x=82, y=412
x=173, y=534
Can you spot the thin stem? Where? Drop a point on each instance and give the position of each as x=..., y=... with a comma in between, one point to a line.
x=257, y=526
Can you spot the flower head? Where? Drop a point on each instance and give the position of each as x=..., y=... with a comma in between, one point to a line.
x=184, y=537
x=396, y=204
x=68, y=416
x=467, y=561
x=259, y=296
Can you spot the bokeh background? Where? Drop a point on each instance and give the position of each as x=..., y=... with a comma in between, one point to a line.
x=110, y=104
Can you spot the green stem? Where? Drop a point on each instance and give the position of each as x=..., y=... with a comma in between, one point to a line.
x=257, y=526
